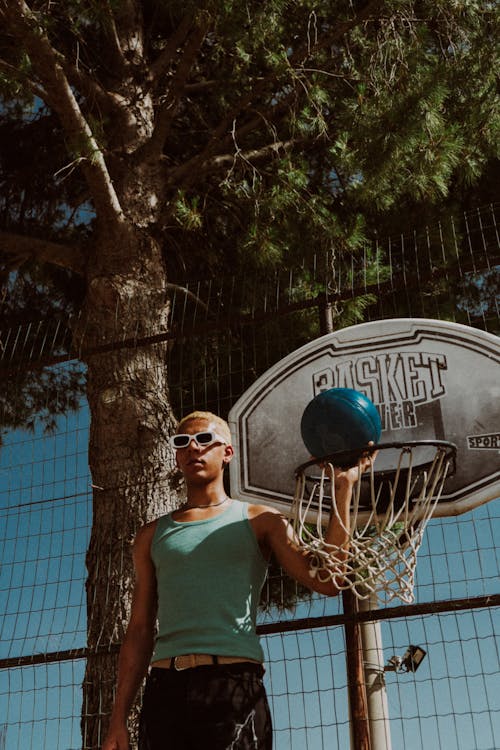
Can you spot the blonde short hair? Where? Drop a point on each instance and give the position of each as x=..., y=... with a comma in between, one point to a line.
x=221, y=424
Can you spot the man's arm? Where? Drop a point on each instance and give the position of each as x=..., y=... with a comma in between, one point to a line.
x=279, y=537
x=137, y=647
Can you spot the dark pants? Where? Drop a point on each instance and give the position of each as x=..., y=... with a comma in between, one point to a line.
x=206, y=708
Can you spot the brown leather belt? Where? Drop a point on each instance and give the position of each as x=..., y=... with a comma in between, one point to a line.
x=189, y=661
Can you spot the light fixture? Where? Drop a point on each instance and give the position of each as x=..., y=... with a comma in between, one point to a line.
x=409, y=662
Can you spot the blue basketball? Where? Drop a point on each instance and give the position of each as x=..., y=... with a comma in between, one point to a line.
x=337, y=420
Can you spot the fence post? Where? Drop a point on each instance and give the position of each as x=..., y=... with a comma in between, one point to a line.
x=358, y=707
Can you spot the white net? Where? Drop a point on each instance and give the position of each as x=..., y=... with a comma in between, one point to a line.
x=386, y=524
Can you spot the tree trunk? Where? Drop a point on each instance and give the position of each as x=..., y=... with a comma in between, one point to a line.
x=133, y=470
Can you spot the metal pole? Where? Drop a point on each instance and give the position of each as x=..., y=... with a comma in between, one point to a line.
x=360, y=731
x=376, y=695
x=325, y=316
x=358, y=709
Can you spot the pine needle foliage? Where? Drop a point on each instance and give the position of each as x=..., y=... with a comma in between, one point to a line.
x=241, y=137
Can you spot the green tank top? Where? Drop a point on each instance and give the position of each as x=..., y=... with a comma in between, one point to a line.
x=209, y=575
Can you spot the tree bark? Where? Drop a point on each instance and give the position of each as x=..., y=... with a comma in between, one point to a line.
x=133, y=470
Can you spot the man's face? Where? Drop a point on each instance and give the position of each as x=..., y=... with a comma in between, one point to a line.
x=199, y=462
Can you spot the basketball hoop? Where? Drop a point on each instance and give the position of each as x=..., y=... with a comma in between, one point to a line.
x=389, y=512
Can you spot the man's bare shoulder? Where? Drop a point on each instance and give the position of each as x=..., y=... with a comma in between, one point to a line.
x=265, y=516
x=144, y=536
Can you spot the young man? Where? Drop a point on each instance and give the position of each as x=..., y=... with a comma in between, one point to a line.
x=200, y=570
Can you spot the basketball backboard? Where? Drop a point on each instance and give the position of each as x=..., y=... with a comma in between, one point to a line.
x=430, y=380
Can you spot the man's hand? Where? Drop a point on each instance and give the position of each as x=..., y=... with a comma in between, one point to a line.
x=353, y=473
x=117, y=739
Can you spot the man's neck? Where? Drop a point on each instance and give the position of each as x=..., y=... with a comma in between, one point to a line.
x=205, y=496
x=205, y=506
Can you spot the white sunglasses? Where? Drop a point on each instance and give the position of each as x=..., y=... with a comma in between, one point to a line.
x=200, y=438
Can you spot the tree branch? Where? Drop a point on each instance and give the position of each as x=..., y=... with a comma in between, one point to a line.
x=182, y=290
x=17, y=75
x=306, y=49
x=197, y=86
x=127, y=29
x=303, y=51
x=164, y=60
x=168, y=109
x=18, y=249
x=114, y=39
x=187, y=173
x=108, y=101
x=253, y=155
x=24, y=25
x=221, y=135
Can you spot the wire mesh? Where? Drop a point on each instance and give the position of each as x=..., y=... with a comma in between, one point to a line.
x=222, y=337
